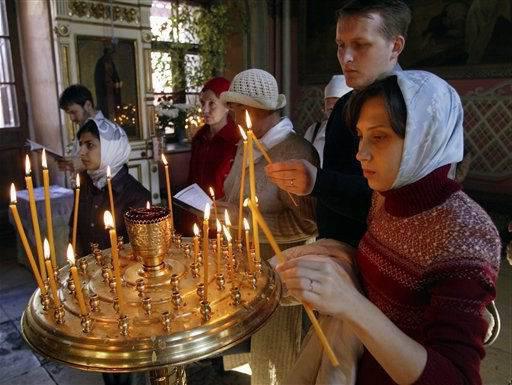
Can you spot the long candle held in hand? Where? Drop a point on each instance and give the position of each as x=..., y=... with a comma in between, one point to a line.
x=242, y=183
x=35, y=220
x=75, y=211
x=76, y=279
x=205, y=248
x=252, y=185
x=196, y=242
x=109, y=225
x=307, y=307
x=268, y=159
x=219, y=244
x=111, y=196
x=51, y=276
x=168, y=187
x=24, y=241
x=48, y=208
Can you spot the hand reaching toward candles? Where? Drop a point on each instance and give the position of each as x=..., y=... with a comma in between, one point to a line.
x=323, y=282
x=296, y=176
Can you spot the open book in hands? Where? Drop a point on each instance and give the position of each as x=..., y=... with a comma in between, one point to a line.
x=193, y=198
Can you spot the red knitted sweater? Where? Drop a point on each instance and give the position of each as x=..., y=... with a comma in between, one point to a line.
x=429, y=261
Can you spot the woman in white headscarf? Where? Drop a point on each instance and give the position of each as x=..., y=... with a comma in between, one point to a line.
x=102, y=144
x=429, y=260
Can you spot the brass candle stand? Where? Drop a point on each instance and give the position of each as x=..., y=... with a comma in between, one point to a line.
x=165, y=320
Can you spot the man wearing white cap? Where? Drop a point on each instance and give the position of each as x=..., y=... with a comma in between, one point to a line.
x=255, y=91
x=315, y=134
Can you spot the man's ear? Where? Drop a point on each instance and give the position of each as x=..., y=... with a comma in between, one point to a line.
x=398, y=46
x=88, y=106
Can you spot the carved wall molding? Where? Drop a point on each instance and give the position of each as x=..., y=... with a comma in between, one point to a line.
x=61, y=30
x=309, y=108
x=102, y=11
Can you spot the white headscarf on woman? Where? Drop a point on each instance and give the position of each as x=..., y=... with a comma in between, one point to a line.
x=434, y=131
x=115, y=150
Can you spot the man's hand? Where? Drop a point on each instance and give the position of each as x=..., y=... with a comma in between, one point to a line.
x=297, y=176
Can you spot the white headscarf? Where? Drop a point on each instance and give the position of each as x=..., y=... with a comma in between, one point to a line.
x=434, y=131
x=115, y=150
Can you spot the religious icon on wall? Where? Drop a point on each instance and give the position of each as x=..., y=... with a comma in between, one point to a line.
x=108, y=68
x=460, y=39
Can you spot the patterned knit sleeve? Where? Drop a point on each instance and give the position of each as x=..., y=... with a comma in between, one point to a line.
x=462, y=284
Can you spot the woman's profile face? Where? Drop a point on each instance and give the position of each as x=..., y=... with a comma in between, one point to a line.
x=380, y=147
x=90, y=151
x=214, y=111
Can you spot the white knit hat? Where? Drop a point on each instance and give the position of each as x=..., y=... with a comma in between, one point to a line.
x=255, y=88
x=337, y=87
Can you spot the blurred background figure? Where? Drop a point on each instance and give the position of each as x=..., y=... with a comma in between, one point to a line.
x=315, y=134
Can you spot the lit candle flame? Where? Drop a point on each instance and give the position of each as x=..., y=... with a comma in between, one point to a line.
x=43, y=159
x=71, y=254
x=46, y=248
x=248, y=122
x=196, y=230
x=77, y=180
x=246, y=224
x=212, y=192
x=164, y=160
x=227, y=234
x=108, y=172
x=207, y=212
x=148, y=206
x=109, y=221
x=242, y=132
x=226, y=218
x=13, y=194
x=219, y=227
x=27, y=165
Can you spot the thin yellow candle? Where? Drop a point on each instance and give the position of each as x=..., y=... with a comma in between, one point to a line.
x=111, y=196
x=205, y=249
x=168, y=187
x=75, y=211
x=48, y=209
x=231, y=267
x=51, y=276
x=35, y=221
x=219, y=243
x=260, y=147
x=76, y=279
x=268, y=159
x=252, y=185
x=109, y=225
x=248, y=245
x=242, y=183
x=281, y=259
x=196, y=242
x=212, y=195
x=227, y=220
x=24, y=240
